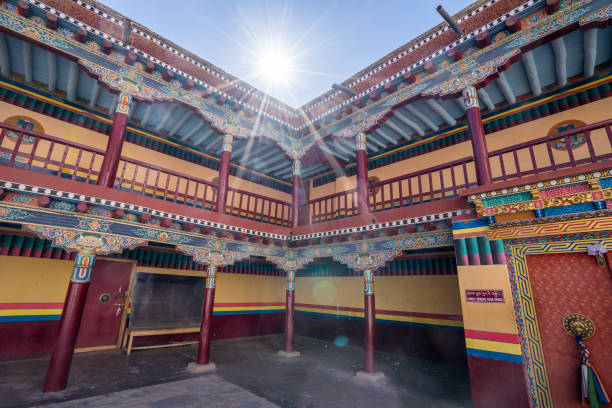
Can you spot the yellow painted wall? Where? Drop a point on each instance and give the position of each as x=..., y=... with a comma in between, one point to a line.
x=236, y=288
x=591, y=113
x=74, y=133
x=490, y=317
x=33, y=280
x=425, y=294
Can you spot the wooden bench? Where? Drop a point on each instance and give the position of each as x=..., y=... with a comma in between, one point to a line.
x=128, y=338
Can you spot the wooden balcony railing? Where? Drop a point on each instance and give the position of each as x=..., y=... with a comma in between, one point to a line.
x=571, y=148
x=50, y=155
x=249, y=205
x=433, y=183
x=152, y=181
x=47, y=154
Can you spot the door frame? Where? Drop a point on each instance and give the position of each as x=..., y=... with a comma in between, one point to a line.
x=128, y=300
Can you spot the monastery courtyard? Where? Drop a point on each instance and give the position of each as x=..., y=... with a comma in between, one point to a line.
x=249, y=375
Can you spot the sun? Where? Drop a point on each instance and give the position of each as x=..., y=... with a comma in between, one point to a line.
x=275, y=67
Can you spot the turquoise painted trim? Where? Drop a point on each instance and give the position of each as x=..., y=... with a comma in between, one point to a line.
x=493, y=355
x=435, y=326
x=480, y=222
x=32, y=318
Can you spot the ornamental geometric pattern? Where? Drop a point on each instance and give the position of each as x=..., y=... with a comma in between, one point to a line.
x=554, y=228
x=524, y=309
x=287, y=264
x=371, y=261
x=71, y=241
x=210, y=257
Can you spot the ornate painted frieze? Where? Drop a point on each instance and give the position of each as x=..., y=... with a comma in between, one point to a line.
x=370, y=261
x=289, y=264
x=211, y=257
x=72, y=240
x=551, y=226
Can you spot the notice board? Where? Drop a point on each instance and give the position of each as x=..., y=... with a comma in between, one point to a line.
x=163, y=301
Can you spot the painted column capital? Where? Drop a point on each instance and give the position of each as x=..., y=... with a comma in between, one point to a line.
x=470, y=98
x=368, y=282
x=360, y=141
x=211, y=277
x=83, y=265
x=297, y=167
x=227, y=142
x=123, y=103
x=290, y=280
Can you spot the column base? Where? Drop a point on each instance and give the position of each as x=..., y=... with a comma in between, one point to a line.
x=376, y=376
x=289, y=354
x=196, y=368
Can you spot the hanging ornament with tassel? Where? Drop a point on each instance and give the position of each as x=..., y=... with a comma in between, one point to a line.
x=592, y=392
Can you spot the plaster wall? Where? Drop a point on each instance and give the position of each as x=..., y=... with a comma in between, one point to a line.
x=32, y=293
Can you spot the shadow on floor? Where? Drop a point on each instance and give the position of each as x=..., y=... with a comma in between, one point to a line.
x=324, y=376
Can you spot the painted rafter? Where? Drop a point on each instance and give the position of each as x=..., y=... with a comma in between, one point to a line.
x=26, y=49
x=52, y=67
x=5, y=59
x=419, y=115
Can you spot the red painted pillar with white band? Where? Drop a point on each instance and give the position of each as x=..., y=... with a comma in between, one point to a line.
x=363, y=205
x=203, y=362
x=65, y=340
x=370, y=321
x=479, y=142
x=295, y=199
x=108, y=171
x=224, y=166
x=289, y=313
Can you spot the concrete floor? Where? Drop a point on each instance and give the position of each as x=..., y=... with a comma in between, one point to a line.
x=249, y=374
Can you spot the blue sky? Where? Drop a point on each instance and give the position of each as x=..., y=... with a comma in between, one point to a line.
x=326, y=41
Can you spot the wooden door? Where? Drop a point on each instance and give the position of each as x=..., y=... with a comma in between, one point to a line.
x=105, y=306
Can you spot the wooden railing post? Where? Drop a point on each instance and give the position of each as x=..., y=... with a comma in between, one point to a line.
x=479, y=143
x=108, y=171
x=224, y=173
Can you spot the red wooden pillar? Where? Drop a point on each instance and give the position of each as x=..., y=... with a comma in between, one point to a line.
x=369, y=370
x=59, y=366
x=295, y=201
x=108, y=171
x=224, y=166
x=289, y=312
x=479, y=143
x=203, y=362
x=362, y=174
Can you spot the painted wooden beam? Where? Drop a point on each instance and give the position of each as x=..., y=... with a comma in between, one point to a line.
x=26, y=49
x=342, y=148
x=181, y=122
x=373, y=138
x=419, y=115
x=113, y=106
x=279, y=166
x=382, y=133
x=505, y=87
x=558, y=45
x=166, y=117
x=486, y=99
x=147, y=115
x=204, y=137
x=52, y=68
x=132, y=109
x=5, y=59
x=326, y=149
x=590, y=51
x=313, y=170
x=408, y=122
x=262, y=160
x=95, y=93
x=459, y=101
x=73, y=82
x=532, y=73
x=193, y=131
x=243, y=148
x=436, y=107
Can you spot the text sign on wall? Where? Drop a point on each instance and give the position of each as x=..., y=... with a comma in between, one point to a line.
x=484, y=295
